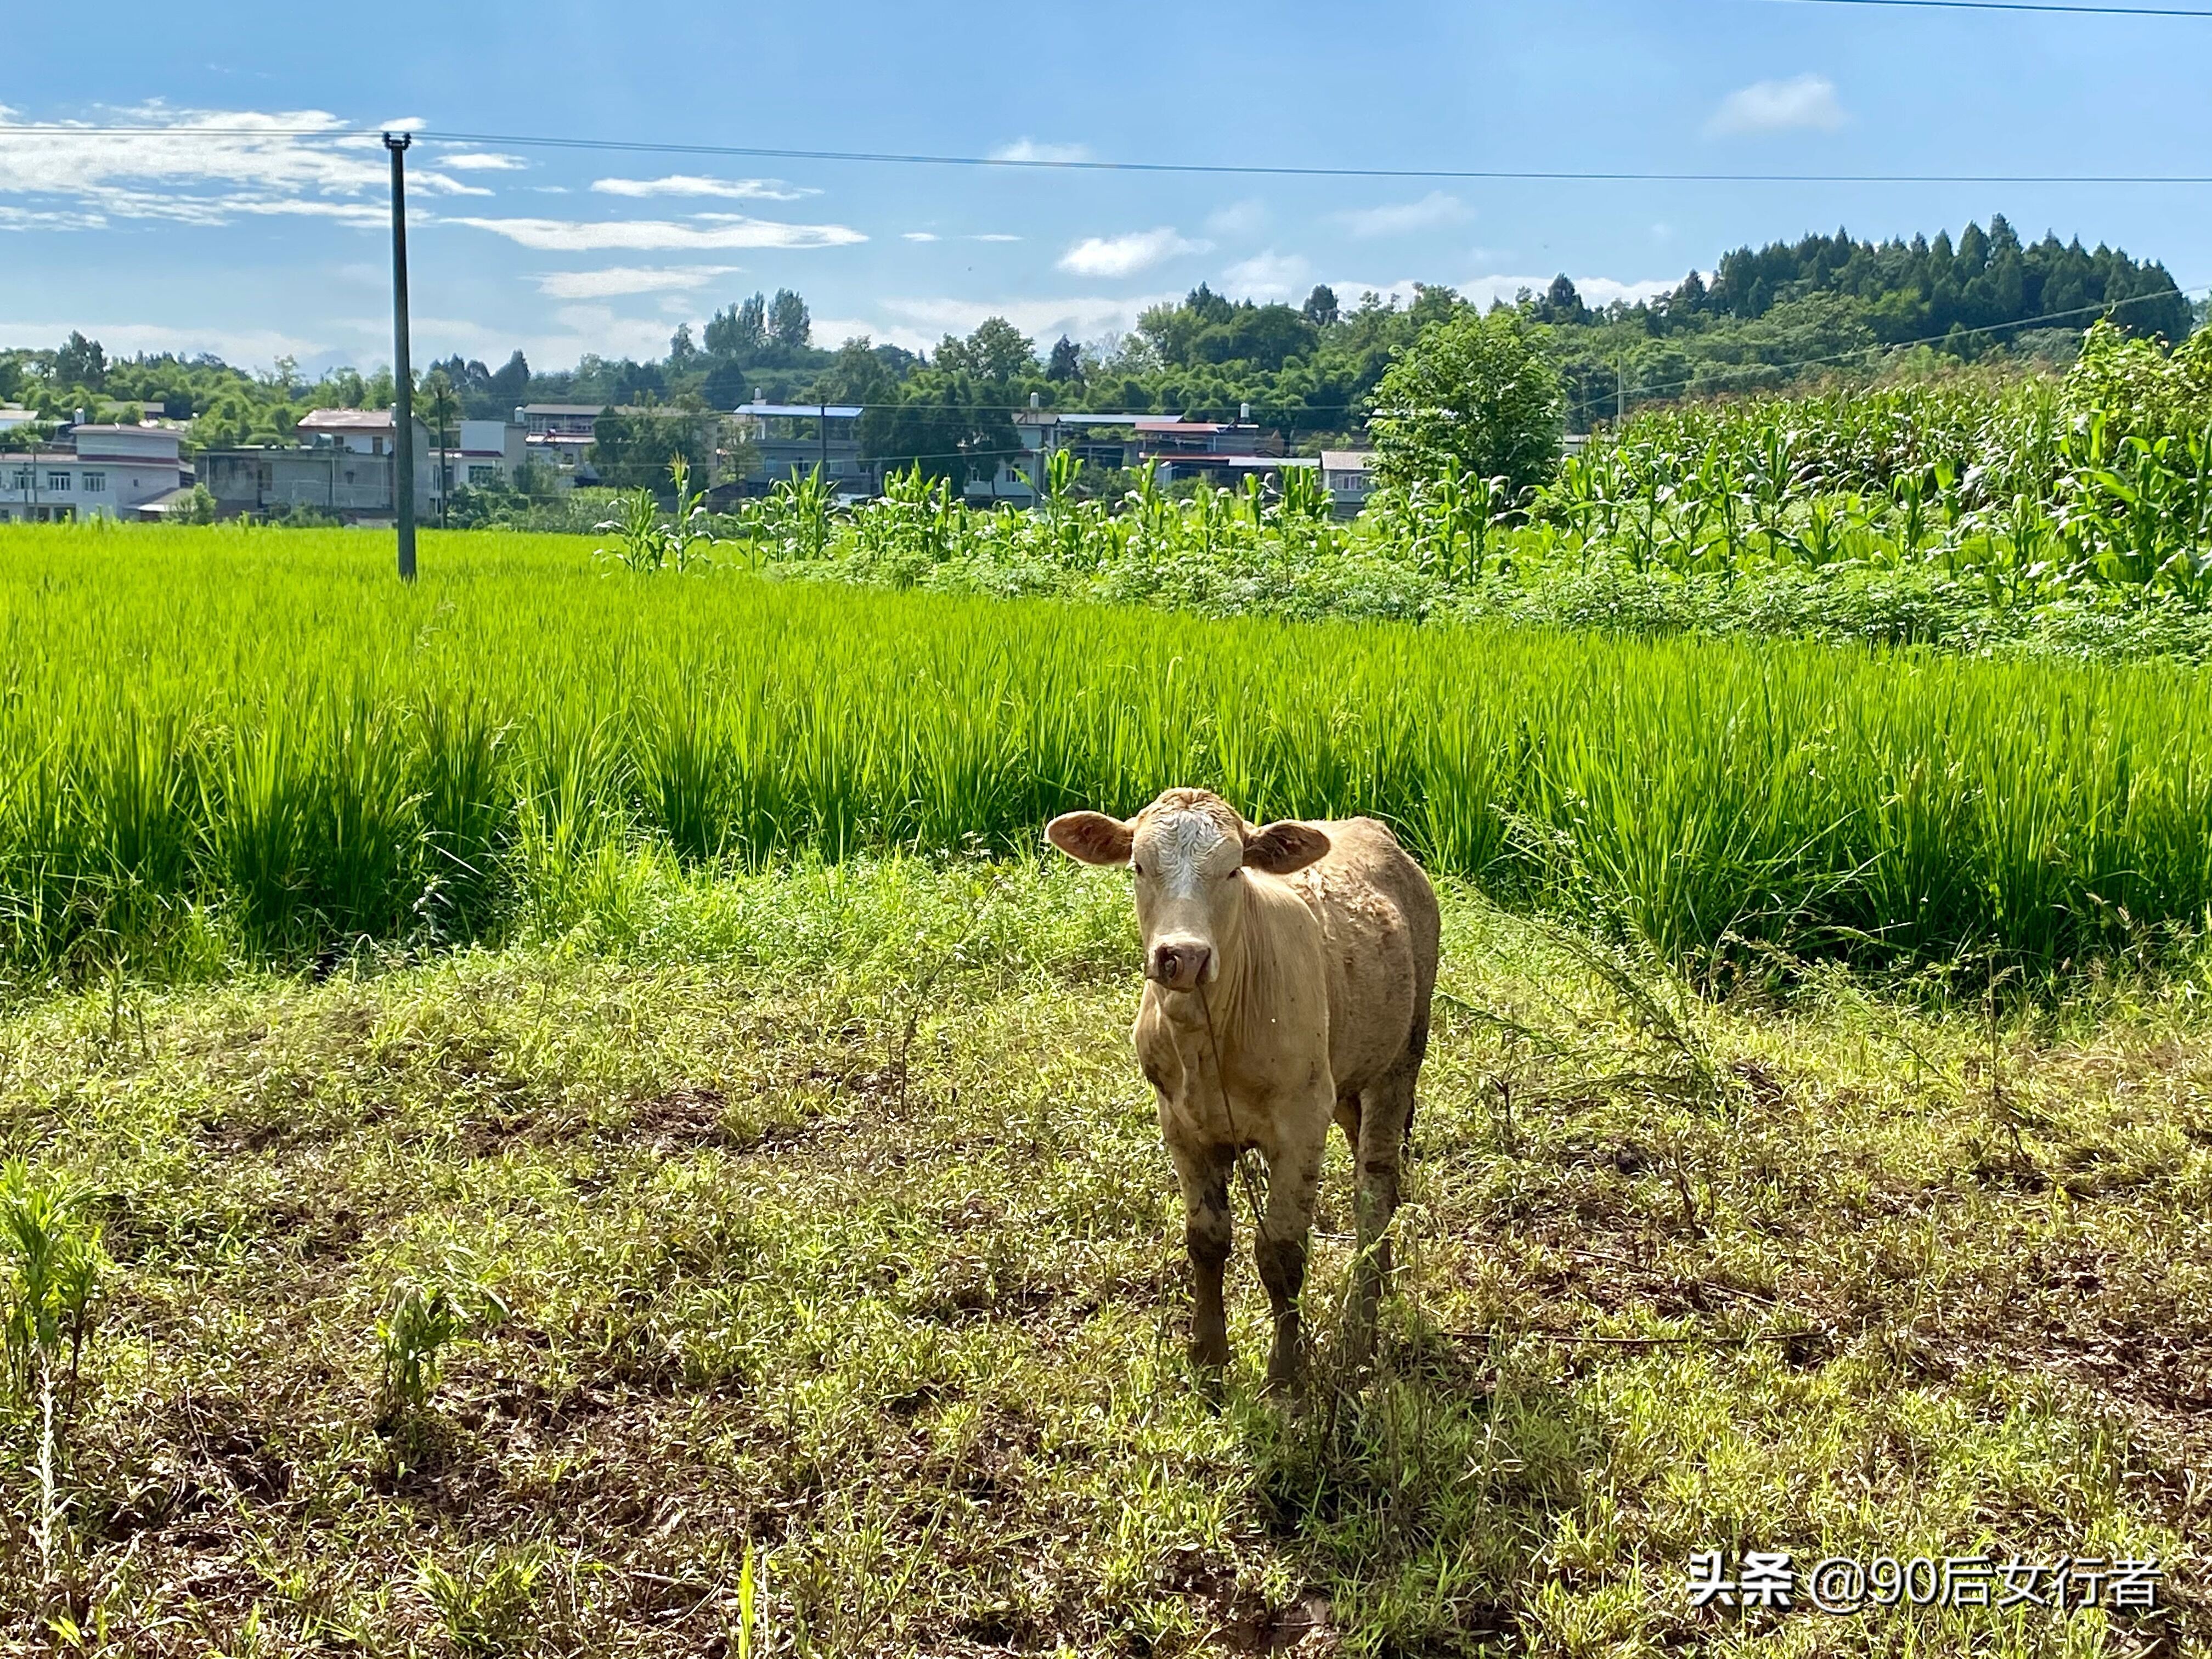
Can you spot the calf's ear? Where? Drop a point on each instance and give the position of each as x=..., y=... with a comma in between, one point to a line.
x=1092, y=836
x=1283, y=847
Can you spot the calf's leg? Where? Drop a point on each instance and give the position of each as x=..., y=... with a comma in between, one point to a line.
x=1280, y=1251
x=1206, y=1234
x=1386, y=1110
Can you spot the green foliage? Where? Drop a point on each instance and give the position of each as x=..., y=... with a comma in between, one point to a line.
x=50, y=1247
x=996, y=351
x=650, y=542
x=947, y=422
x=409, y=1339
x=485, y=1603
x=213, y=729
x=419, y=1322
x=1472, y=395
x=635, y=451
x=2138, y=390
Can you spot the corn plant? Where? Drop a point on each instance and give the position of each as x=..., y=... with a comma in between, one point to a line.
x=647, y=541
x=799, y=514
x=411, y=1337
x=49, y=1246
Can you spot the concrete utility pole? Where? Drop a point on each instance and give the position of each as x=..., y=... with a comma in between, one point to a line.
x=402, y=370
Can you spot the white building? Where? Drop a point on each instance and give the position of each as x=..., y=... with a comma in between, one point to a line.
x=92, y=471
x=490, y=454
x=1348, y=475
x=363, y=431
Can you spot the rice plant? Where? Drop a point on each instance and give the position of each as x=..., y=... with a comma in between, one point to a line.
x=256, y=736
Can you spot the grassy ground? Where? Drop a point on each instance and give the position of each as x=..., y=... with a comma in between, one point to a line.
x=819, y=1222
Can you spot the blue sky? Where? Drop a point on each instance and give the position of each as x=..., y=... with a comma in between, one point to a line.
x=254, y=247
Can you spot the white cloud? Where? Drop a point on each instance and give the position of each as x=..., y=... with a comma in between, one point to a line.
x=919, y=324
x=1028, y=149
x=482, y=160
x=660, y=235
x=1594, y=290
x=994, y=236
x=580, y=328
x=1245, y=218
x=921, y=235
x=841, y=329
x=688, y=183
x=1805, y=102
x=1402, y=218
x=1269, y=275
x=1125, y=255
x=199, y=168
x=629, y=279
x=248, y=347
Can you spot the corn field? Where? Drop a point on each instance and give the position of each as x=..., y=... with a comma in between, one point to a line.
x=2086, y=492
x=231, y=744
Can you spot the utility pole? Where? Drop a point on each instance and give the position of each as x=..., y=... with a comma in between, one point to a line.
x=1619, y=396
x=402, y=370
x=824, y=423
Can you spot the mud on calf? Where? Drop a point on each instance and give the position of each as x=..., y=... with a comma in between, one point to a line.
x=1207, y=1236
x=1288, y=976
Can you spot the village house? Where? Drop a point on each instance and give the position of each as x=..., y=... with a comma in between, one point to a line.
x=1349, y=476
x=91, y=472
x=344, y=467
x=489, y=454
x=793, y=438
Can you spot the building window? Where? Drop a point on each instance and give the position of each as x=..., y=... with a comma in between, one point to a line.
x=23, y=476
x=484, y=475
x=95, y=483
x=57, y=484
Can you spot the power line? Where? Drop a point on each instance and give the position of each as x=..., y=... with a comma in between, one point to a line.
x=2015, y=5
x=1088, y=164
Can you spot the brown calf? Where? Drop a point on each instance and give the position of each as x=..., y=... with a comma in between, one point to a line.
x=1288, y=973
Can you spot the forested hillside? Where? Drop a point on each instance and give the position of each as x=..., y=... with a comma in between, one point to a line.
x=1825, y=306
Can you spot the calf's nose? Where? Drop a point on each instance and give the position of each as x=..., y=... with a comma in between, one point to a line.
x=1181, y=965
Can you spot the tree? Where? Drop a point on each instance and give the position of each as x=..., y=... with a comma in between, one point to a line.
x=788, y=324
x=510, y=385
x=855, y=376
x=946, y=423
x=740, y=331
x=81, y=362
x=1066, y=364
x=1320, y=309
x=632, y=452
x=997, y=351
x=683, y=356
x=1473, y=394
x=1562, y=302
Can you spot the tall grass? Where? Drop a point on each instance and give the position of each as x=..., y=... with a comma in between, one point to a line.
x=262, y=738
